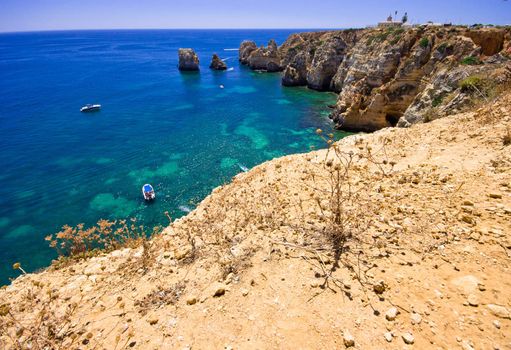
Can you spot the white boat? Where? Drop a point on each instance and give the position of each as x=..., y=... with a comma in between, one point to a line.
x=90, y=108
x=148, y=192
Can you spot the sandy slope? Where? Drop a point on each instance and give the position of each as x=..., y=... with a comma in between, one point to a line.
x=432, y=236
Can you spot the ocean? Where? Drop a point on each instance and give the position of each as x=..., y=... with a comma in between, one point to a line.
x=178, y=131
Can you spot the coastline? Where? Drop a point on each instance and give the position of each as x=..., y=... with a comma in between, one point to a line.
x=258, y=253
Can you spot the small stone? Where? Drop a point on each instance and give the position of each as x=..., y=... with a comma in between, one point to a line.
x=152, y=321
x=416, y=318
x=495, y=195
x=408, y=338
x=244, y=292
x=348, y=339
x=468, y=203
x=473, y=300
x=391, y=314
x=191, y=300
x=499, y=311
x=219, y=292
x=388, y=336
x=496, y=323
x=465, y=345
x=468, y=219
x=379, y=287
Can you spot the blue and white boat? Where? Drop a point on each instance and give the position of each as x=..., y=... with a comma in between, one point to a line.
x=90, y=108
x=148, y=192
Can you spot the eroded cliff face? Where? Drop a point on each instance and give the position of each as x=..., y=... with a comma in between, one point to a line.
x=389, y=76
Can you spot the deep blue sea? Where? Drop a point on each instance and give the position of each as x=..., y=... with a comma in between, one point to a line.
x=178, y=131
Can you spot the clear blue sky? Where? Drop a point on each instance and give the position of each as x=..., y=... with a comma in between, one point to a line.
x=28, y=15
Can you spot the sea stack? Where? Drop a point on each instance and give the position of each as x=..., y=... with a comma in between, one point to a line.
x=188, y=60
x=263, y=58
x=217, y=63
x=245, y=50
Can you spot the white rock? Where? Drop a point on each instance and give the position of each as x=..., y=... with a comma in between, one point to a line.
x=408, y=338
x=348, y=339
x=391, y=314
x=499, y=311
x=416, y=318
x=388, y=336
x=466, y=284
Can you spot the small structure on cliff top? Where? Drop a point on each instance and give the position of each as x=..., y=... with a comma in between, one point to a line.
x=390, y=23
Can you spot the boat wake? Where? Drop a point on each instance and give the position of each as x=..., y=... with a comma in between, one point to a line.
x=184, y=208
x=231, y=49
x=230, y=69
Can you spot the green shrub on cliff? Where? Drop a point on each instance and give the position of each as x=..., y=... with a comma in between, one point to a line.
x=442, y=48
x=424, y=43
x=470, y=61
x=437, y=101
x=471, y=84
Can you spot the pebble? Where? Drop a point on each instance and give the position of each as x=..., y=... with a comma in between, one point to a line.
x=473, y=300
x=348, y=339
x=191, y=300
x=388, y=336
x=499, y=311
x=408, y=338
x=218, y=289
x=496, y=323
x=379, y=287
x=495, y=195
x=416, y=318
x=391, y=314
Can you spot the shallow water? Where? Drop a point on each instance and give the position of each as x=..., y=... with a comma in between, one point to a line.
x=178, y=131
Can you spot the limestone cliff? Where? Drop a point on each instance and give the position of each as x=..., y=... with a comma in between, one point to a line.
x=392, y=76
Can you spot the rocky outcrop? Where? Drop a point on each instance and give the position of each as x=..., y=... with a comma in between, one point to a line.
x=491, y=41
x=388, y=76
x=324, y=65
x=217, y=63
x=188, y=60
x=265, y=58
x=245, y=50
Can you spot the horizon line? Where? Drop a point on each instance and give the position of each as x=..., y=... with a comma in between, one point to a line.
x=111, y=29
x=240, y=28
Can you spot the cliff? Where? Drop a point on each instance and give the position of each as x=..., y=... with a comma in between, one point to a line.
x=381, y=240
x=392, y=76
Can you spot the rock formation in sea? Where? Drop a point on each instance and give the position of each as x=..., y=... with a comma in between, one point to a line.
x=265, y=58
x=391, y=76
x=217, y=63
x=245, y=50
x=188, y=60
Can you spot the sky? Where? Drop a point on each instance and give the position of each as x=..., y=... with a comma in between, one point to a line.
x=33, y=15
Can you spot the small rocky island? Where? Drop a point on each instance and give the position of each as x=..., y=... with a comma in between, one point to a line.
x=217, y=63
x=188, y=60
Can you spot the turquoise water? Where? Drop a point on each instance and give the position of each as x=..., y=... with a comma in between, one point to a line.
x=178, y=131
